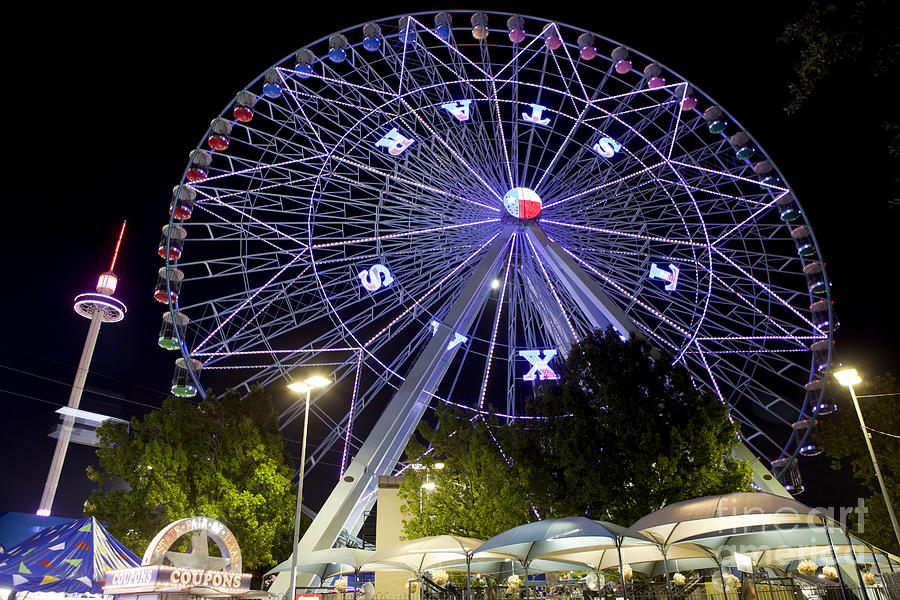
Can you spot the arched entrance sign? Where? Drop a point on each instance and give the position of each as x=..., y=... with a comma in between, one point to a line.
x=159, y=548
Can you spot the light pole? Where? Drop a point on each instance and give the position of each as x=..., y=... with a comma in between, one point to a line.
x=307, y=386
x=848, y=378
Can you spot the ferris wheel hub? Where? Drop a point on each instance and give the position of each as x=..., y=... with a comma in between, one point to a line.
x=522, y=203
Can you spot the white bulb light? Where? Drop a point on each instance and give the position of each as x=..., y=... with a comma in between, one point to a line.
x=847, y=377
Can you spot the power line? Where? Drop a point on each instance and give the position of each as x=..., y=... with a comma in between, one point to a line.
x=72, y=365
x=2, y=391
x=882, y=432
x=67, y=383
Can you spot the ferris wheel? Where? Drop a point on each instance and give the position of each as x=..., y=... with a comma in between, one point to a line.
x=435, y=207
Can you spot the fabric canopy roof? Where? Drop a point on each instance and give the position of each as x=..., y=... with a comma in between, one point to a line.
x=328, y=562
x=531, y=540
x=72, y=557
x=712, y=515
x=633, y=555
x=503, y=567
x=425, y=553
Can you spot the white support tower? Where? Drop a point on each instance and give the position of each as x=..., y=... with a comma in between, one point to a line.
x=99, y=308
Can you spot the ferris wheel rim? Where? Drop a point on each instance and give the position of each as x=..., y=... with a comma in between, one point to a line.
x=173, y=306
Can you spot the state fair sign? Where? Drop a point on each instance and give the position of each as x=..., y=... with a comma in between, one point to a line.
x=165, y=571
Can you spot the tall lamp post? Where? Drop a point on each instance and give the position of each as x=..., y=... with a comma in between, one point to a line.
x=307, y=386
x=848, y=378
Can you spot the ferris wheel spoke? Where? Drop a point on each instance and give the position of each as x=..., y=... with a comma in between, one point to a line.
x=453, y=152
x=493, y=343
x=504, y=146
x=510, y=149
x=765, y=288
x=781, y=325
x=751, y=220
x=553, y=291
x=255, y=220
x=732, y=176
x=245, y=303
x=475, y=132
x=630, y=234
x=415, y=184
x=429, y=292
x=561, y=148
x=378, y=238
x=603, y=186
x=630, y=296
x=747, y=389
x=437, y=93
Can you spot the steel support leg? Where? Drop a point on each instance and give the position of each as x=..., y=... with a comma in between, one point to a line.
x=593, y=301
x=602, y=311
x=354, y=495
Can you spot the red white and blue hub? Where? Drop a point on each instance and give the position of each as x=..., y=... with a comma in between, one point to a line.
x=522, y=203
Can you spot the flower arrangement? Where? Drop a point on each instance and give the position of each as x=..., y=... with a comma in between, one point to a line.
x=731, y=582
x=440, y=576
x=413, y=587
x=513, y=582
x=830, y=572
x=807, y=568
x=341, y=584
x=869, y=578
x=627, y=573
x=679, y=579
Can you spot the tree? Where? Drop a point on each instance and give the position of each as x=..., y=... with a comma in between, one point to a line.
x=836, y=33
x=854, y=37
x=843, y=442
x=629, y=434
x=475, y=493
x=625, y=435
x=223, y=458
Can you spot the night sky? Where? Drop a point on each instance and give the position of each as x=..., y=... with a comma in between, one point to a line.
x=103, y=112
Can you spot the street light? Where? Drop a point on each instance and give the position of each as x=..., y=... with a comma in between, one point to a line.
x=300, y=387
x=848, y=378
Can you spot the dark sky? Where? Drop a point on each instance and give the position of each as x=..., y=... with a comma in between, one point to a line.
x=103, y=110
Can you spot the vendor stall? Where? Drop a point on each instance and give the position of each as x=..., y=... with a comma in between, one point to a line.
x=165, y=574
x=70, y=559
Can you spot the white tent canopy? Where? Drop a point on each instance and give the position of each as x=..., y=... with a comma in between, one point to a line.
x=424, y=554
x=531, y=540
x=634, y=555
x=328, y=562
x=711, y=516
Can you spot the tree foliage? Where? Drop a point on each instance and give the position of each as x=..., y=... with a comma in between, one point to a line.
x=476, y=494
x=841, y=437
x=626, y=434
x=629, y=434
x=223, y=458
x=836, y=33
x=859, y=37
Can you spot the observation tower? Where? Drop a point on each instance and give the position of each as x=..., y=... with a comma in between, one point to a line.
x=99, y=308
